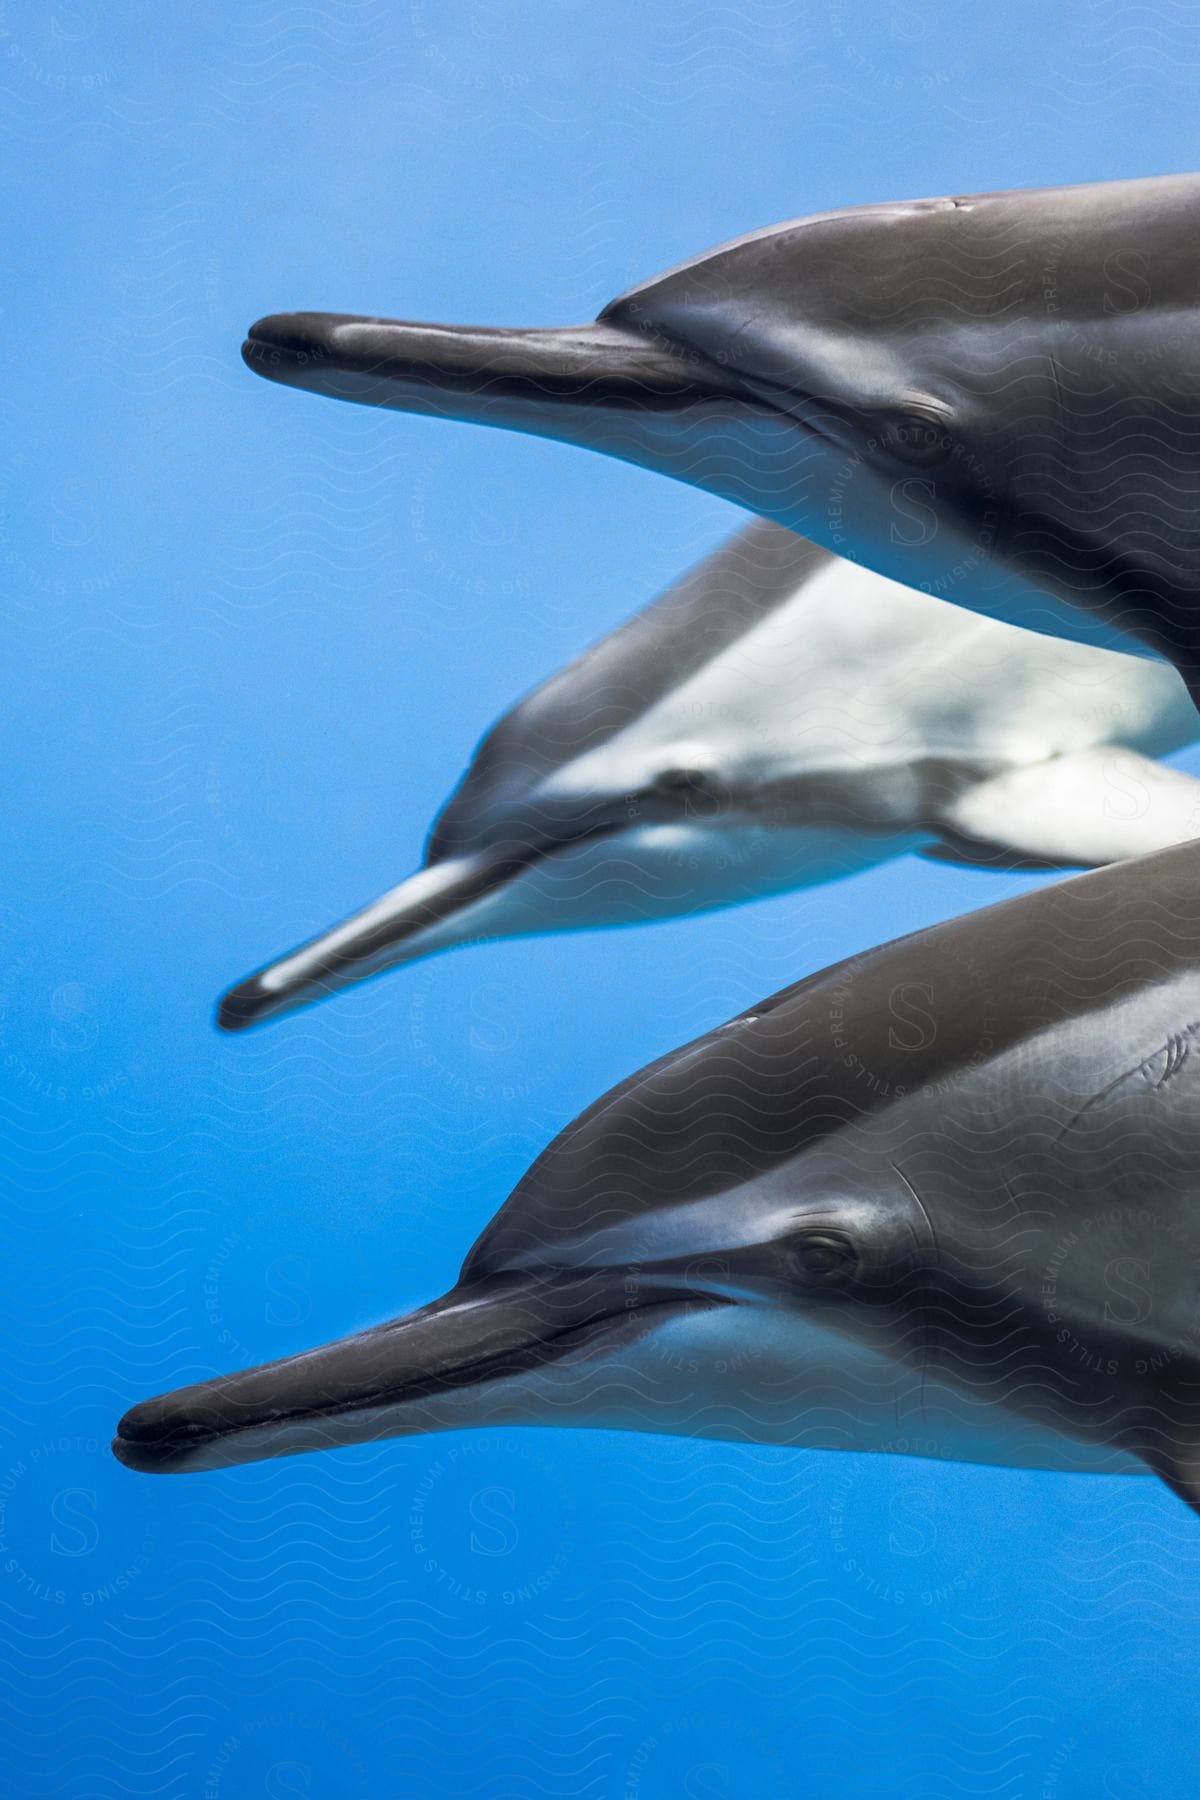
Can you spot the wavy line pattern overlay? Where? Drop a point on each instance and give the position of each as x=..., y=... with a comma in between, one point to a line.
x=251, y=637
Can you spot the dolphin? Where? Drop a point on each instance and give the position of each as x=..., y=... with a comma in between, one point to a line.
x=993, y=397
x=779, y=717
x=942, y=1198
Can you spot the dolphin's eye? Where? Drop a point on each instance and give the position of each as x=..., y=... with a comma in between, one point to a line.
x=699, y=794
x=824, y=1255
x=921, y=439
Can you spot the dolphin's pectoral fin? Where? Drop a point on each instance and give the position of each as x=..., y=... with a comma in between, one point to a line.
x=1100, y=805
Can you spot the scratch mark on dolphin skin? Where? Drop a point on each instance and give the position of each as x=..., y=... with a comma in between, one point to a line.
x=1156, y=1070
x=921, y=1206
x=1177, y=1048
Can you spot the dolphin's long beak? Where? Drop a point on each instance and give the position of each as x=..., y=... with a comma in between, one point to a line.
x=523, y=379
x=364, y=944
x=430, y=911
x=356, y=1390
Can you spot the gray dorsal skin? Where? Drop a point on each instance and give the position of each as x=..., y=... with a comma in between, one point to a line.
x=995, y=397
x=943, y=1198
x=777, y=718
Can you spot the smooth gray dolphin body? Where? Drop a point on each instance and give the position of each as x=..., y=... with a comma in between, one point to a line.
x=993, y=397
x=943, y=1197
x=778, y=718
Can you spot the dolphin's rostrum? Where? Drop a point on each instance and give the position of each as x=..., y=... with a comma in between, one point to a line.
x=948, y=1186
x=994, y=397
x=777, y=718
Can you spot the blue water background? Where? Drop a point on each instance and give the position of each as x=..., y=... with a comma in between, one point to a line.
x=249, y=640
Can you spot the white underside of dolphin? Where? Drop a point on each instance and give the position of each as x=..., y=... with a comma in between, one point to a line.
x=778, y=719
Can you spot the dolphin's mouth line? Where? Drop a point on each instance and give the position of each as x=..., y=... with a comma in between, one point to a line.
x=507, y=866
x=495, y=872
x=580, y=368
x=368, y=948
x=492, y=874
x=515, y=1360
